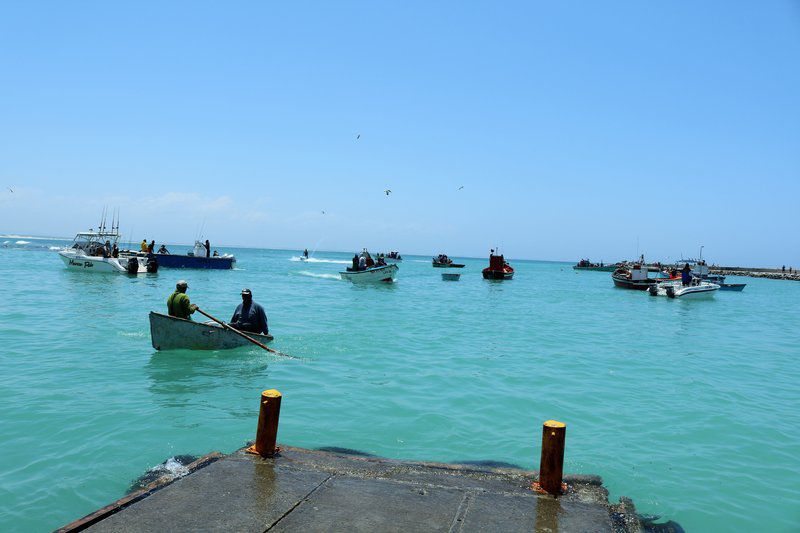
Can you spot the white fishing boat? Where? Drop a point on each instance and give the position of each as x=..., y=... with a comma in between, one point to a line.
x=92, y=251
x=172, y=333
x=696, y=291
x=375, y=274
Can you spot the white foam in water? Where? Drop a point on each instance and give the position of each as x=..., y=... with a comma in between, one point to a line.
x=320, y=276
x=54, y=247
x=315, y=260
x=22, y=242
x=174, y=467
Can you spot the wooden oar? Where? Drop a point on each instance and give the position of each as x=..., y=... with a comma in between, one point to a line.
x=248, y=337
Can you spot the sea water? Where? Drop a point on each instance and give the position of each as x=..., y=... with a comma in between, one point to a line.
x=688, y=407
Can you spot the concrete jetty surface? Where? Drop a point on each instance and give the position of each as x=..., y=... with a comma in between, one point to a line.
x=314, y=490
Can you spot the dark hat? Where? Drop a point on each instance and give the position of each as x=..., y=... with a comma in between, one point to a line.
x=247, y=292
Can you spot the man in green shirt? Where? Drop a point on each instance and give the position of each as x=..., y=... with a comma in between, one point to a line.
x=178, y=304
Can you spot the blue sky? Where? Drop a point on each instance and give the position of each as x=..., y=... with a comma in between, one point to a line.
x=576, y=128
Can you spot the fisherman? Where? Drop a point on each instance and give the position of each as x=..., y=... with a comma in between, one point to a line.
x=216, y=254
x=178, y=304
x=151, y=247
x=163, y=250
x=355, y=263
x=305, y=253
x=362, y=263
x=686, y=275
x=250, y=316
x=143, y=247
x=208, y=248
x=115, y=251
x=108, y=248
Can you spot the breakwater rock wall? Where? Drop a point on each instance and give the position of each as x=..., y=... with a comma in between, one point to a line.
x=770, y=274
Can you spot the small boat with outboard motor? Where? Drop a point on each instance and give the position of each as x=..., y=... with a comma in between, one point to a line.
x=695, y=290
x=498, y=268
x=367, y=270
x=442, y=261
x=172, y=333
x=97, y=251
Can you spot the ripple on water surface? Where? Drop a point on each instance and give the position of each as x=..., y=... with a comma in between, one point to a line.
x=687, y=407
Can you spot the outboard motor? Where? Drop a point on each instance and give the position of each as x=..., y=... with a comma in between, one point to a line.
x=653, y=290
x=671, y=291
x=151, y=265
x=133, y=266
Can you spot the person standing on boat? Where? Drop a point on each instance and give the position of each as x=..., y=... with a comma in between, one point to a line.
x=305, y=253
x=250, y=316
x=208, y=248
x=151, y=247
x=143, y=247
x=686, y=275
x=178, y=304
x=115, y=251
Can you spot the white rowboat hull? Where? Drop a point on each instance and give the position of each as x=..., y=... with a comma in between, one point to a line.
x=171, y=333
x=382, y=274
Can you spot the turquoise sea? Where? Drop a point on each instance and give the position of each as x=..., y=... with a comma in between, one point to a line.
x=688, y=407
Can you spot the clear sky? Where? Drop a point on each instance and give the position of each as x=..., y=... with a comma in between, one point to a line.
x=575, y=128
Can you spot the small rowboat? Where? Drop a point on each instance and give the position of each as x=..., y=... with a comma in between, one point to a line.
x=171, y=333
x=381, y=274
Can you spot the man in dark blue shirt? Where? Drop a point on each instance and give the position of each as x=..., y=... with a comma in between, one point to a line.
x=249, y=316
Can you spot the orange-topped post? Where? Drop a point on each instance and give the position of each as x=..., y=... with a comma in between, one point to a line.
x=268, y=416
x=551, y=465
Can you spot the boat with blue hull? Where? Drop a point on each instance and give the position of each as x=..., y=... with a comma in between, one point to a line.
x=193, y=261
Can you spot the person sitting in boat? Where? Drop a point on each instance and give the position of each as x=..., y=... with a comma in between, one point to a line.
x=354, y=268
x=380, y=262
x=362, y=263
x=216, y=254
x=250, y=316
x=178, y=304
x=686, y=275
x=115, y=251
x=163, y=250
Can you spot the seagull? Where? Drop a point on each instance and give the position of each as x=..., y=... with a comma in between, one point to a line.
x=10, y=189
x=388, y=192
x=460, y=187
x=323, y=212
x=358, y=136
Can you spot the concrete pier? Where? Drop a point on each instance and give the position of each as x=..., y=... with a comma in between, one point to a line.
x=315, y=490
x=769, y=273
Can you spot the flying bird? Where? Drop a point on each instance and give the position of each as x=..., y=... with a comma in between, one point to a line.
x=323, y=212
x=387, y=192
x=10, y=189
x=460, y=187
x=358, y=136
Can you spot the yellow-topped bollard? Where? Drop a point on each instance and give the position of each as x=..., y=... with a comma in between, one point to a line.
x=551, y=465
x=268, y=415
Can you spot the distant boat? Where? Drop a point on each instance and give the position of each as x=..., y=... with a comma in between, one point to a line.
x=585, y=264
x=172, y=333
x=442, y=261
x=498, y=269
x=451, y=276
x=391, y=257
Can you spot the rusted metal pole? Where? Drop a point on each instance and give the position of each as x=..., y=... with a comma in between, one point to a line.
x=551, y=466
x=268, y=415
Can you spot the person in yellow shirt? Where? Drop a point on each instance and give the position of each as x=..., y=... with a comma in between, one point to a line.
x=144, y=245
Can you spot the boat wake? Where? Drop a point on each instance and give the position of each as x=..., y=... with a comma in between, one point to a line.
x=320, y=276
x=315, y=260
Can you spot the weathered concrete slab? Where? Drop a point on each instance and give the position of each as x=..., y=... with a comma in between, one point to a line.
x=308, y=490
